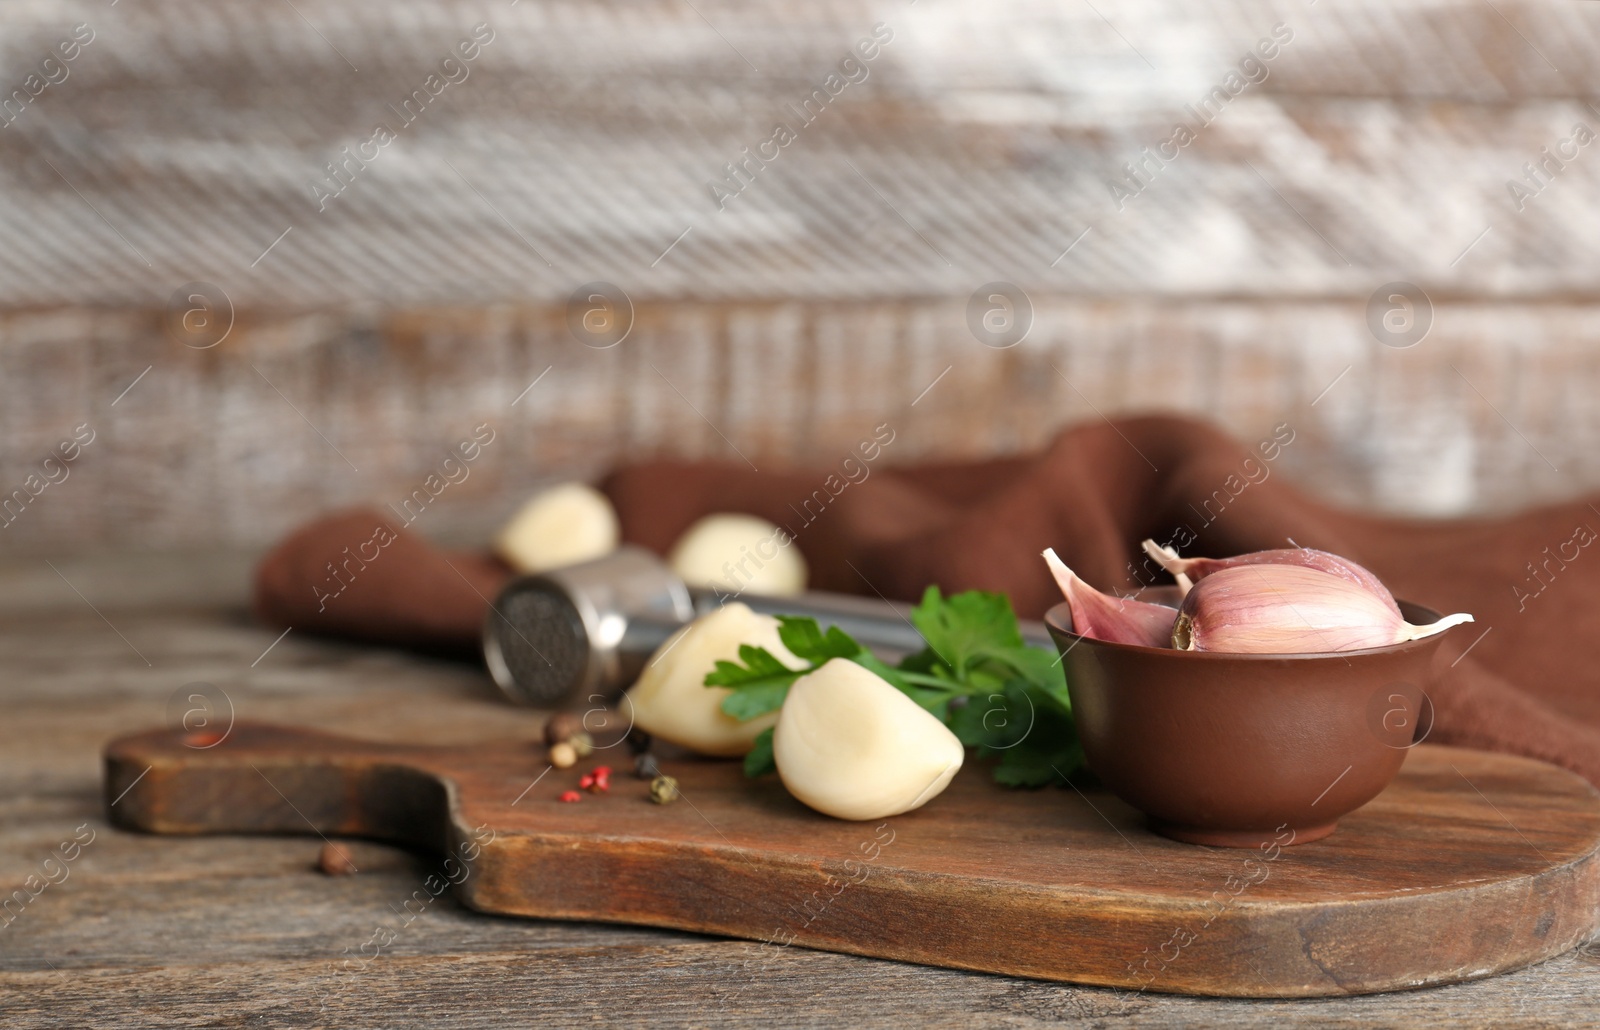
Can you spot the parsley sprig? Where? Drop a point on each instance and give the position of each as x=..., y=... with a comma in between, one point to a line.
x=976, y=675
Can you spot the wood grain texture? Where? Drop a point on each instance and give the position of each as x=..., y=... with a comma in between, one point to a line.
x=293, y=414
x=984, y=139
x=1502, y=852
x=229, y=931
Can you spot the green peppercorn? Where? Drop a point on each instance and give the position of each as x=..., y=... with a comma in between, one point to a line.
x=582, y=743
x=663, y=790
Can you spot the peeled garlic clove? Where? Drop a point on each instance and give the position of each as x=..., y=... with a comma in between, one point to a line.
x=850, y=745
x=1306, y=557
x=670, y=699
x=735, y=553
x=563, y=525
x=1119, y=620
x=1290, y=609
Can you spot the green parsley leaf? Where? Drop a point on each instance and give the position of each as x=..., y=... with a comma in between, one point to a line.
x=759, y=761
x=753, y=700
x=966, y=628
x=1038, y=743
x=759, y=685
x=974, y=639
x=1039, y=667
x=805, y=639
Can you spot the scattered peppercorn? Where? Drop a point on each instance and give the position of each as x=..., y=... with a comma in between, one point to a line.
x=561, y=726
x=571, y=795
x=563, y=755
x=335, y=861
x=645, y=766
x=663, y=790
x=598, y=780
x=638, y=741
x=582, y=743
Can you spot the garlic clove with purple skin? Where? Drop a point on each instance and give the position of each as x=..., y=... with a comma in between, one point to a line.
x=1187, y=570
x=1290, y=609
x=1118, y=620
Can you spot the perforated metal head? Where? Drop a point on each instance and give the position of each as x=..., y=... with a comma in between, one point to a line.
x=582, y=633
x=536, y=646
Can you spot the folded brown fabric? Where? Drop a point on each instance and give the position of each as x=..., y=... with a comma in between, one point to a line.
x=355, y=575
x=1093, y=494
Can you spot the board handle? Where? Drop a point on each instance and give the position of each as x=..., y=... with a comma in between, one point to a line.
x=260, y=778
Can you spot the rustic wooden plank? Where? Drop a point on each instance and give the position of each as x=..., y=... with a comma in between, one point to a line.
x=981, y=143
x=692, y=982
x=1489, y=412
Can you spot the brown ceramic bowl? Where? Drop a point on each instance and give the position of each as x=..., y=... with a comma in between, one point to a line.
x=1240, y=750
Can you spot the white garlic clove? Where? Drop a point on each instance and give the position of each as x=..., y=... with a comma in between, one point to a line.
x=735, y=553
x=670, y=699
x=563, y=525
x=1290, y=609
x=1117, y=620
x=850, y=745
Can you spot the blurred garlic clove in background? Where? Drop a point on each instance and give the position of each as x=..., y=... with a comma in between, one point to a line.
x=736, y=553
x=564, y=525
x=671, y=700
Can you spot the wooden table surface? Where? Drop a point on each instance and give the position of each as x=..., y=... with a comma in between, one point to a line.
x=234, y=932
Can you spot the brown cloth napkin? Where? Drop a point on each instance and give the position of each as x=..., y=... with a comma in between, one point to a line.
x=1527, y=686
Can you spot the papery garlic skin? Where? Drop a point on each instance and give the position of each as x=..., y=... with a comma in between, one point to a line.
x=1168, y=559
x=850, y=745
x=561, y=526
x=735, y=553
x=1118, y=620
x=670, y=699
x=1191, y=569
x=1290, y=609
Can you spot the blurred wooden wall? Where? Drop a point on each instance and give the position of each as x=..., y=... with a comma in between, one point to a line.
x=372, y=330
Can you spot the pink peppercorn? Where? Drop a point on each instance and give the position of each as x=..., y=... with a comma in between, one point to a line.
x=598, y=780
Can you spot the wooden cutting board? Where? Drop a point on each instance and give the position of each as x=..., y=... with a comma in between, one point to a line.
x=1468, y=865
